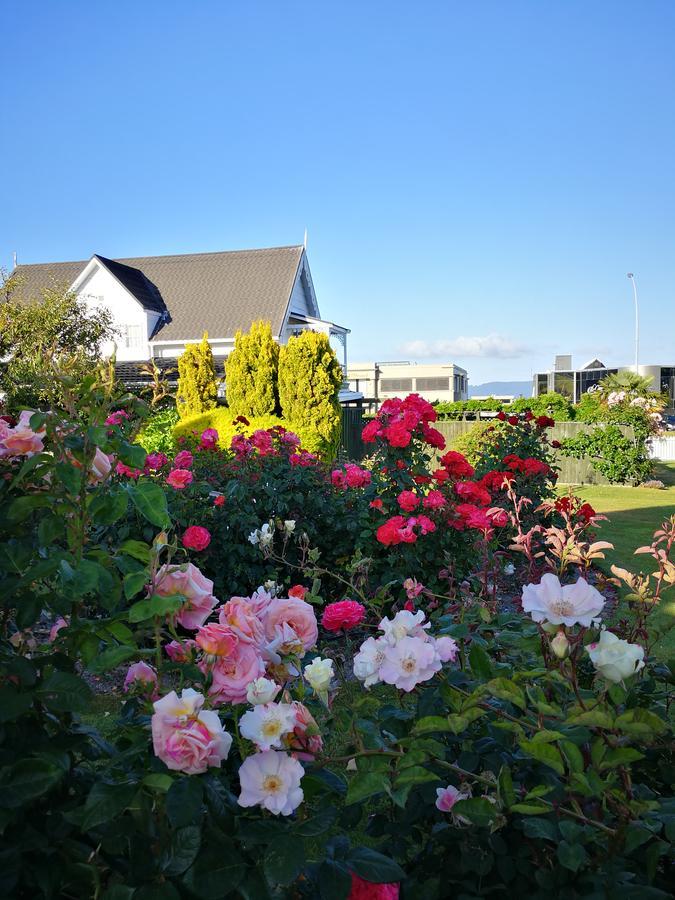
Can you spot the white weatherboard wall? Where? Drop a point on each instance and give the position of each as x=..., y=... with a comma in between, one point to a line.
x=662, y=448
x=101, y=289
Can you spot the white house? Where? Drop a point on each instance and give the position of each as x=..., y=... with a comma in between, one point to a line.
x=161, y=303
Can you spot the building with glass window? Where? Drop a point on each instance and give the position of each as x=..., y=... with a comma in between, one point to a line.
x=380, y=381
x=573, y=383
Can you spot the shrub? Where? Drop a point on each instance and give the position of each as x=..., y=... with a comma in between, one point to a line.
x=458, y=408
x=197, y=386
x=550, y=404
x=617, y=457
x=223, y=420
x=251, y=372
x=156, y=435
x=310, y=378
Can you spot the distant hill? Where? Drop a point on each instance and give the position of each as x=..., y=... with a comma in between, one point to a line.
x=517, y=388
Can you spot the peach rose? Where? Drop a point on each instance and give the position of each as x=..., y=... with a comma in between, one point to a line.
x=22, y=440
x=232, y=674
x=185, y=737
x=297, y=615
x=195, y=587
x=216, y=640
x=239, y=615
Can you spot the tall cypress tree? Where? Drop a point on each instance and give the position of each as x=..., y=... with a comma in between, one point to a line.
x=251, y=372
x=310, y=378
x=197, y=385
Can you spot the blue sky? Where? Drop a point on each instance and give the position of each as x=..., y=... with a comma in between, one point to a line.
x=476, y=178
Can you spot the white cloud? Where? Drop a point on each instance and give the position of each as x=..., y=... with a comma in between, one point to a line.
x=492, y=346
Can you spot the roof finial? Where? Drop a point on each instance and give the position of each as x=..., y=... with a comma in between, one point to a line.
x=304, y=240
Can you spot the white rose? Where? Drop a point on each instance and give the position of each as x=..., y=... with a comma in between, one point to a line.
x=289, y=526
x=615, y=659
x=570, y=604
x=319, y=674
x=262, y=690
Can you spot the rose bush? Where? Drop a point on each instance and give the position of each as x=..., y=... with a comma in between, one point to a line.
x=258, y=754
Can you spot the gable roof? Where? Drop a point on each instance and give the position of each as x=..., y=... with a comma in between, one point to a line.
x=216, y=292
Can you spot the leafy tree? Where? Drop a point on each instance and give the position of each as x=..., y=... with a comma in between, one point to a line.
x=310, y=378
x=35, y=331
x=251, y=372
x=197, y=385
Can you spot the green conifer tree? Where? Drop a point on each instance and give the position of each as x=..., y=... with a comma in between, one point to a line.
x=197, y=384
x=310, y=378
x=251, y=372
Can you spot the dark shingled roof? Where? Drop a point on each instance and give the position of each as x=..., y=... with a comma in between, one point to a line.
x=216, y=292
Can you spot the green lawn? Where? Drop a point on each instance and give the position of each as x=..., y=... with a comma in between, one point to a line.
x=634, y=514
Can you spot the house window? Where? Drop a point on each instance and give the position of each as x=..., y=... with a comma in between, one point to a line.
x=133, y=335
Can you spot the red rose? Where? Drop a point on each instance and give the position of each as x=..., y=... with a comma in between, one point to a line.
x=440, y=476
x=366, y=890
x=501, y=415
x=196, y=538
x=513, y=420
x=555, y=444
x=398, y=435
x=298, y=590
x=219, y=500
x=371, y=431
x=343, y=615
x=408, y=501
x=376, y=504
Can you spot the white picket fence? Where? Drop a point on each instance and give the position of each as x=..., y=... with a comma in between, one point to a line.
x=662, y=448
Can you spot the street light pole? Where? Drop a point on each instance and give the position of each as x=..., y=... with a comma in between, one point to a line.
x=637, y=320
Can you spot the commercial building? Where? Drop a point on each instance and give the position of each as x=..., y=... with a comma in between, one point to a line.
x=573, y=383
x=379, y=381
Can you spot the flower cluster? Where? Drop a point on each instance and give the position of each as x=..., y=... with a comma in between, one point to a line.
x=405, y=654
x=352, y=476
x=398, y=420
x=402, y=530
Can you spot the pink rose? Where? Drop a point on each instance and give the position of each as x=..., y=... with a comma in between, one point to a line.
x=22, y=440
x=196, y=538
x=56, y=627
x=195, y=587
x=343, y=615
x=117, y=417
x=183, y=460
x=306, y=740
x=446, y=648
x=100, y=466
x=209, y=439
x=447, y=797
x=155, y=461
x=297, y=615
x=181, y=651
x=368, y=890
x=127, y=471
x=233, y=674
x=140, y=675
x=185, y=737
x=179, y=478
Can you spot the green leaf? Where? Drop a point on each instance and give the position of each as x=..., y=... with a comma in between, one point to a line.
x=480, y=662
x=106, y=509
x=217, y=870
x=134, y=582
x=22, y=507
x=150, y=500
x=105, y=802
x=364, y=785
x=181, y=851
x=505, y=782
x=622, y=756
x=70, y=477
x=504, y=689
x=457, y=724
x=335, y=881
x=155, y=606
x=530, y=809
x=636, y=836
x=571, y=856
x=431, y=723
x=132, y=455
x=184, y=801
x=476, y=809
x=27, y=780
x=573, y=756
x=157, y=781
x=544, y=753
x=544, y=829
x=13, y=704
x=284, y=859
x=137, y=549
x=414, y=775
x=157, y=891
x=373, y=866
x=316, y=824
x=110, y=658
x=65, y=692
x=640, y=722
x=594, y=718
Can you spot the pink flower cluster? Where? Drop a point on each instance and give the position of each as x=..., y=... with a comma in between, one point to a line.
x=275, y=441
x=352, y=476
x=398, y=420
x=20, y=439
x=405, y=654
